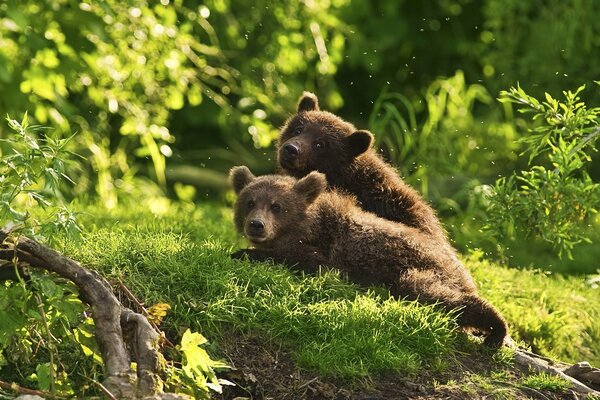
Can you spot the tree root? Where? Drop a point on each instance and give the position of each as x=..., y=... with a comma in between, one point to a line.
x=117, y=329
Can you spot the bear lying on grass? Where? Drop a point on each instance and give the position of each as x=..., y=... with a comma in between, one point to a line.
x=297, y=222
x=315, y=140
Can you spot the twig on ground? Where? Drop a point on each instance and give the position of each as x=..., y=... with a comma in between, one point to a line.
x=23, y=390
x=305, y=384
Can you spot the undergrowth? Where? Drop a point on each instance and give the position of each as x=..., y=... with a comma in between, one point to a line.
x=557, y=316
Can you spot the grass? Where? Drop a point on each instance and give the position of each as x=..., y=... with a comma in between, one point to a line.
x=329, y=325
x=543, y=381
x=558, y=316
x=183, y=259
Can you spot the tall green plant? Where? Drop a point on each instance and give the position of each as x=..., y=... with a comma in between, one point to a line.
x=446, y=140
x=37, y=317
x=33, y=166
x=555, y=198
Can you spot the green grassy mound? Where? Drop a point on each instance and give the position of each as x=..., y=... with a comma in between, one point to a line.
x=322, y=324
x=182, y=258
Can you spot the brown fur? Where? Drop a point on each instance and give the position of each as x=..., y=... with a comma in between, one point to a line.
x=308, y=227
x=328, y=144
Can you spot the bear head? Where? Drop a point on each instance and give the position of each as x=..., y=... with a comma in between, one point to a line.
x=272, y=209
x=315, y=140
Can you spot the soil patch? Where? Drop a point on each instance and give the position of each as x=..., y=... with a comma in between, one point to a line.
x=263, y=370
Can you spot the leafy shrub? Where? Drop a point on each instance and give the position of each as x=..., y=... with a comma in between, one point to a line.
x=33, y=166
x=40, y=318
x=555, y=197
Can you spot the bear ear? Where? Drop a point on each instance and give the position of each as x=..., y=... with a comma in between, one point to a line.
x=311, y=186
x=359, y=142
x=308, y=102
x=240, y=177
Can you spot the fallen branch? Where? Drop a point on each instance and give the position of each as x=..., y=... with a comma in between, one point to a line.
x=532, y=361
x=113, y=323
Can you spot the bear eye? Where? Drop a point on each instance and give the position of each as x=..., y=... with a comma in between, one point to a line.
x=297, y=130
x=275, y=207
x=250, y=204
x=319, y=145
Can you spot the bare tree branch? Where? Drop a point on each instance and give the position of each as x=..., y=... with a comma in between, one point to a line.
x=116, y=328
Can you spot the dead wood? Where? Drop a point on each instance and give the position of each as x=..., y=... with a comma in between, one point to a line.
x=117, y=329
x=142, y=310
x=531, y=361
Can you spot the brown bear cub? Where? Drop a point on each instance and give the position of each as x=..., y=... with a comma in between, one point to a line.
x=299, y=223
x=315, y=140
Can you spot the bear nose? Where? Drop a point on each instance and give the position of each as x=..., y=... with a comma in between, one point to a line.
x=256, y=226
x=290, y=150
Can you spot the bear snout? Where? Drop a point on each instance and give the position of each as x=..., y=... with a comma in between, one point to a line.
x=291, y=156
x=291, y=150
x=255, y=230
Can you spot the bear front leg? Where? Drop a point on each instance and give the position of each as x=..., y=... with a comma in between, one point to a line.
x=253, y=255
x=305, y=258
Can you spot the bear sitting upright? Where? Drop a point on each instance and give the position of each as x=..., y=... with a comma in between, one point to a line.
x=297, y=222
x=315, y=140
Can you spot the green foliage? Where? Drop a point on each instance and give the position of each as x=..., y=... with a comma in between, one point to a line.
x=44, y=330
x=197, y=374
x=40, y=321
x=280, y=48
x=556, y=197
x=123, y=75
x=112, y=71
x=197, y=371
x=33, y=166
x=539, y=43
x=130, y=77
x=445, y=146
x=544, y=381
x=47, y=342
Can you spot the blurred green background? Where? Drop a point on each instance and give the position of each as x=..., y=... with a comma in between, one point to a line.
x=165, y=96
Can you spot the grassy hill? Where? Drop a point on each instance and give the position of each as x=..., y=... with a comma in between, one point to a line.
x=302, y=336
